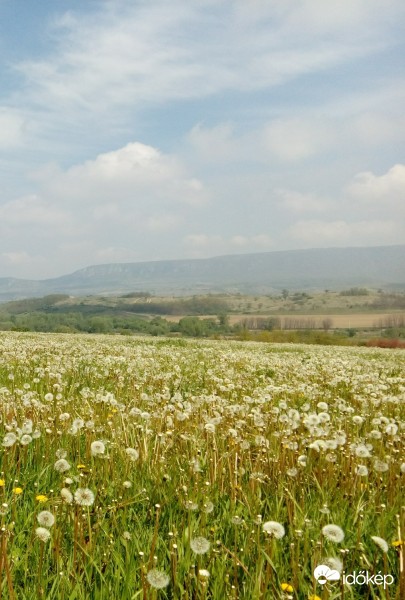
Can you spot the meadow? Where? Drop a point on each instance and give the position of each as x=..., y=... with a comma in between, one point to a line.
x=140, y=468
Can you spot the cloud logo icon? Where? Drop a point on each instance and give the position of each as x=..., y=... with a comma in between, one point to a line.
x=323, y=574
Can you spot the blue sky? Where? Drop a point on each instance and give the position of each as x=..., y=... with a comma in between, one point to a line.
x=136, y=130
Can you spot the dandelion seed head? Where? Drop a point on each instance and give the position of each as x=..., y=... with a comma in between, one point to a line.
x=84, y=497
x=203, y=574
x=66, y=495
x=362, y=451
x=43, y=534
x=61, y=465
x=9, y=439
x=380, y=466
x=333, y=533
x=381, y=543
x=97, y=448
x=274, y=528
x=132, y=454
x=25, y=439
x=200, y=545
x=158, y=579
x=45, y=518
x=333, y=563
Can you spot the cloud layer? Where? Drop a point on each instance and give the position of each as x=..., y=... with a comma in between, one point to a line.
x=132, y=130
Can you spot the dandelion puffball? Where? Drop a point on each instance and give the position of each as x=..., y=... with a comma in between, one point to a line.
x=275, y=529
x=333, y=533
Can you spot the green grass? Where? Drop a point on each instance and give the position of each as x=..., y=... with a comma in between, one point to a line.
x=224, y=444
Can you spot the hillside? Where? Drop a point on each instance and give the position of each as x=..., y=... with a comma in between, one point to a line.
x=313, y=269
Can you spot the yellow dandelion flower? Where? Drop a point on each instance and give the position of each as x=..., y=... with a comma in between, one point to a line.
x=287, y=587
x=2, y=482
x=81, y=466
x=314, y=598
x=17, y=491
x=397, y=543
x=41, y=498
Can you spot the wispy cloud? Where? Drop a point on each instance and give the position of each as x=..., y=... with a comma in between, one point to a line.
x=145, y=130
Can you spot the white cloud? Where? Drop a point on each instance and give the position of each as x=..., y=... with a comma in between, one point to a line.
x=215, y=144
x=32, y=211
x=12, y=128
x=298, y=202
x=318, y=233
x=136, y=177
x=295, y=139
x=125, y=54
x=118, y=206
x=386, y=191
x=201, y=245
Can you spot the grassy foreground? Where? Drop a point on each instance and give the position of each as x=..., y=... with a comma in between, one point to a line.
x=144, y=469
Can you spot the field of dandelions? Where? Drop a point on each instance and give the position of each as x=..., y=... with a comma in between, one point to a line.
x=136, y=468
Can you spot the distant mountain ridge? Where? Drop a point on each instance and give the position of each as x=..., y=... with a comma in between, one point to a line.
x=266, y=272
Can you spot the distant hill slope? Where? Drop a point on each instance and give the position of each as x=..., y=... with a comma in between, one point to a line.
x=333, y=268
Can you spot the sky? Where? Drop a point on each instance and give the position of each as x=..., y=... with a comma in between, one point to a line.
x=136, y=130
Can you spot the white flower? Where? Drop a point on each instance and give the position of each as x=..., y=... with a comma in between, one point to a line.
x=9, y=439
x=158, y=579
x=333, y=563
x=97, y=448
x=380, y=542
x=274, y=529
x=132, y=453
x=43, y=534
x=362, y=452
x=25, y=439
x=27, y=426
x=380, y=466
x=200, y=545
x=391, y=429
x=61, y=465
x=333, y=533
x=362, y=471
x=84, y=497
x=203, y=573
x=209, y=506
x=67, y=495
x=402, y=467
x=357, y=420
x=45, y=518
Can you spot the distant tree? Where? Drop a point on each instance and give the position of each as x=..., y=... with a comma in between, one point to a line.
x=327, y=323
x=285, y=294
x=223, y=320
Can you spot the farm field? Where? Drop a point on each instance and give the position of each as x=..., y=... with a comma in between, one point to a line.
x=140, y=468
x=339, y=321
